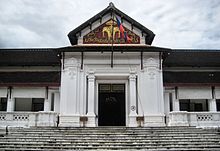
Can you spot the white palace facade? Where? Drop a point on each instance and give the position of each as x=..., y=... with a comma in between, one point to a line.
x=104, y=80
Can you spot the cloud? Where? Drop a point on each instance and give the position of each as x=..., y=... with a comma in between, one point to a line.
x=177, y=24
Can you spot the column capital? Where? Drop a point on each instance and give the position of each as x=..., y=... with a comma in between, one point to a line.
x=91, y=75
x=132, y=75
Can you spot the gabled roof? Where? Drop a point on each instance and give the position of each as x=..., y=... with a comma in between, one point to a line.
x=110, y=9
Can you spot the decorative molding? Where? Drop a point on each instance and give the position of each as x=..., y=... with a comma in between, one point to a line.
x=150, y=62
x=72, y=73
x=133, y=108
x=104, y=34
x=152, y=73
x=91, y=76
x=132, y=75
x=71, y=62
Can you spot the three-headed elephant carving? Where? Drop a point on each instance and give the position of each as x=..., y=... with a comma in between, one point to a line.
x=108, y=30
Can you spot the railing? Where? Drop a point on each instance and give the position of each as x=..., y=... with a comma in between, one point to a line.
x=204, y=118
x=200, y=119
x=28, y=119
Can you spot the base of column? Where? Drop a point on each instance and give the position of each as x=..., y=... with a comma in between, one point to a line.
x=156, y=120
x=69, y=121
x=132, y=122
x=91, y=120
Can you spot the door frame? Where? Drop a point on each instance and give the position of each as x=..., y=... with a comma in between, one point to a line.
x=125, y=82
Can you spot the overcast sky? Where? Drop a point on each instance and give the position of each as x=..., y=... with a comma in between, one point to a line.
x=46, y=23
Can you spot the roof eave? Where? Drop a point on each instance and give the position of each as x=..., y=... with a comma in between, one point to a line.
x=100, y=48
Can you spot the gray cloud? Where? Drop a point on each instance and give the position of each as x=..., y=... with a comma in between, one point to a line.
x=177, y=24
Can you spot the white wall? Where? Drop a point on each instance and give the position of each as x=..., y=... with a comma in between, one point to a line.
x=217, y=92
x=26, y=92
x=195, y=92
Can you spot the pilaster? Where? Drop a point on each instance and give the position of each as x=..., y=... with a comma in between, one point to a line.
x=133, y=100
x=69, y=115
x=151, y=91
x=91, y=100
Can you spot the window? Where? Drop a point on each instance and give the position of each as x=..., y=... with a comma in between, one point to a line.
x=52, y=102
x=171, y=102
x=184, y=105
x=29, y=104
x=37, y=104
x=218, y=104
x=193, y=105
x=3, y=104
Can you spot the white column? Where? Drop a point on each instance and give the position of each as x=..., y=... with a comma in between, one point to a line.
x=69, y=117
x=175, y=102
x=150, y=90
x=166, y=103
x=10, y=104
x=212, y=105
x=133, y=99
x=177, y=117
x=47, y=102
x=166, y=106
x=91, y=100
x=57, y=102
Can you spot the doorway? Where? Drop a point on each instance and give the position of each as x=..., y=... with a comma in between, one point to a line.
x=111, y=105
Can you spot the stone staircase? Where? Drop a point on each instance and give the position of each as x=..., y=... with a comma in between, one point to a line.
x=110, y=138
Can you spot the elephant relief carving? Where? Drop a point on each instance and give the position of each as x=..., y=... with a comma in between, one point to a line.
x=109, y=30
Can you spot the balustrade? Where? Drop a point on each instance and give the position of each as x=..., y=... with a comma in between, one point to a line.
x=27, y=119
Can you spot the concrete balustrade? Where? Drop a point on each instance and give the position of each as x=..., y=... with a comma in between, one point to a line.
x=199, y=119
x=28, y=119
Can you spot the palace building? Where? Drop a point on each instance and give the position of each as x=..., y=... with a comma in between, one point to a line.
x=110, y=75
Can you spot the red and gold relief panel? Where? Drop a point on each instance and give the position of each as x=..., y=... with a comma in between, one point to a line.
x=103, y=35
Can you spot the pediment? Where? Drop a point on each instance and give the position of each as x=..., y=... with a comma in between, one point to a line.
x=105, y=33
x=96, y=30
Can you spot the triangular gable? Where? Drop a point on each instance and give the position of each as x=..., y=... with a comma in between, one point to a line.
x=81, y=34
x=105, y=33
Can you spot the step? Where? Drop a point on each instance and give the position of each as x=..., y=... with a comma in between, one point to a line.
x=131, y=146
x=110, y=138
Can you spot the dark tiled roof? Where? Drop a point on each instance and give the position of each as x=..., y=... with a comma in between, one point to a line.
x=192, y=58
x=29, y=78
x=110, y=9
x=191, y=78
x=29, y=57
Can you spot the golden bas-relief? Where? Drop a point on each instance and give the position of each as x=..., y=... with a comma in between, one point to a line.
x=103, y=35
